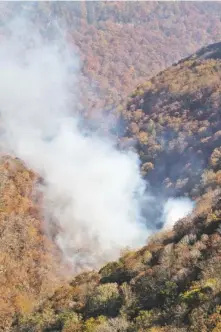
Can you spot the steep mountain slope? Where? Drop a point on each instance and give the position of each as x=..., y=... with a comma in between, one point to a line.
x=174, y=122
x=27, y=267
x=173, y=283
x=123, y=43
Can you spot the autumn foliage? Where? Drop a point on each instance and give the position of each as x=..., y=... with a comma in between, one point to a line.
x=26, y=265
x=173, y=283
x=173, y=121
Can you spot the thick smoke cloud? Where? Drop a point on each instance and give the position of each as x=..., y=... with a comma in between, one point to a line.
x=93, y=192
x=175, y=209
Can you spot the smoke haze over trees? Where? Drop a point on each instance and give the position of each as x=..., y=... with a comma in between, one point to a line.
x=92, y=163
x=123, y=43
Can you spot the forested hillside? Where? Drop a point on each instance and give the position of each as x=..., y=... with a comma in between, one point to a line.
x=170, y=285
x=173, y=283
x=28, y=259
x=121, y=44
x=172, y=120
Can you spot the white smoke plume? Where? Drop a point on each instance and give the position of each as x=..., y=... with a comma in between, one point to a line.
x=92, y=190
x=175, y=209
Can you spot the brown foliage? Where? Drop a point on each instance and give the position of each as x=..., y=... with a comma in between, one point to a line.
x=26, y=264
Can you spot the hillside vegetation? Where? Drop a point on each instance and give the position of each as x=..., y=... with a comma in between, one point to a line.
x=173, y=283
x=121, y=44
x=28, y=270
x=173, y=120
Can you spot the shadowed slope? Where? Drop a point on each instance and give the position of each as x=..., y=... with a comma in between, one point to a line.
x=174, y=122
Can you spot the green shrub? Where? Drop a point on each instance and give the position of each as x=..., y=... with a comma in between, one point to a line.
x=105, y=299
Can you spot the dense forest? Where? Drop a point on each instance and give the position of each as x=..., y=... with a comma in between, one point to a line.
x=172, y=120
x=171, y=284
x=121, y=44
